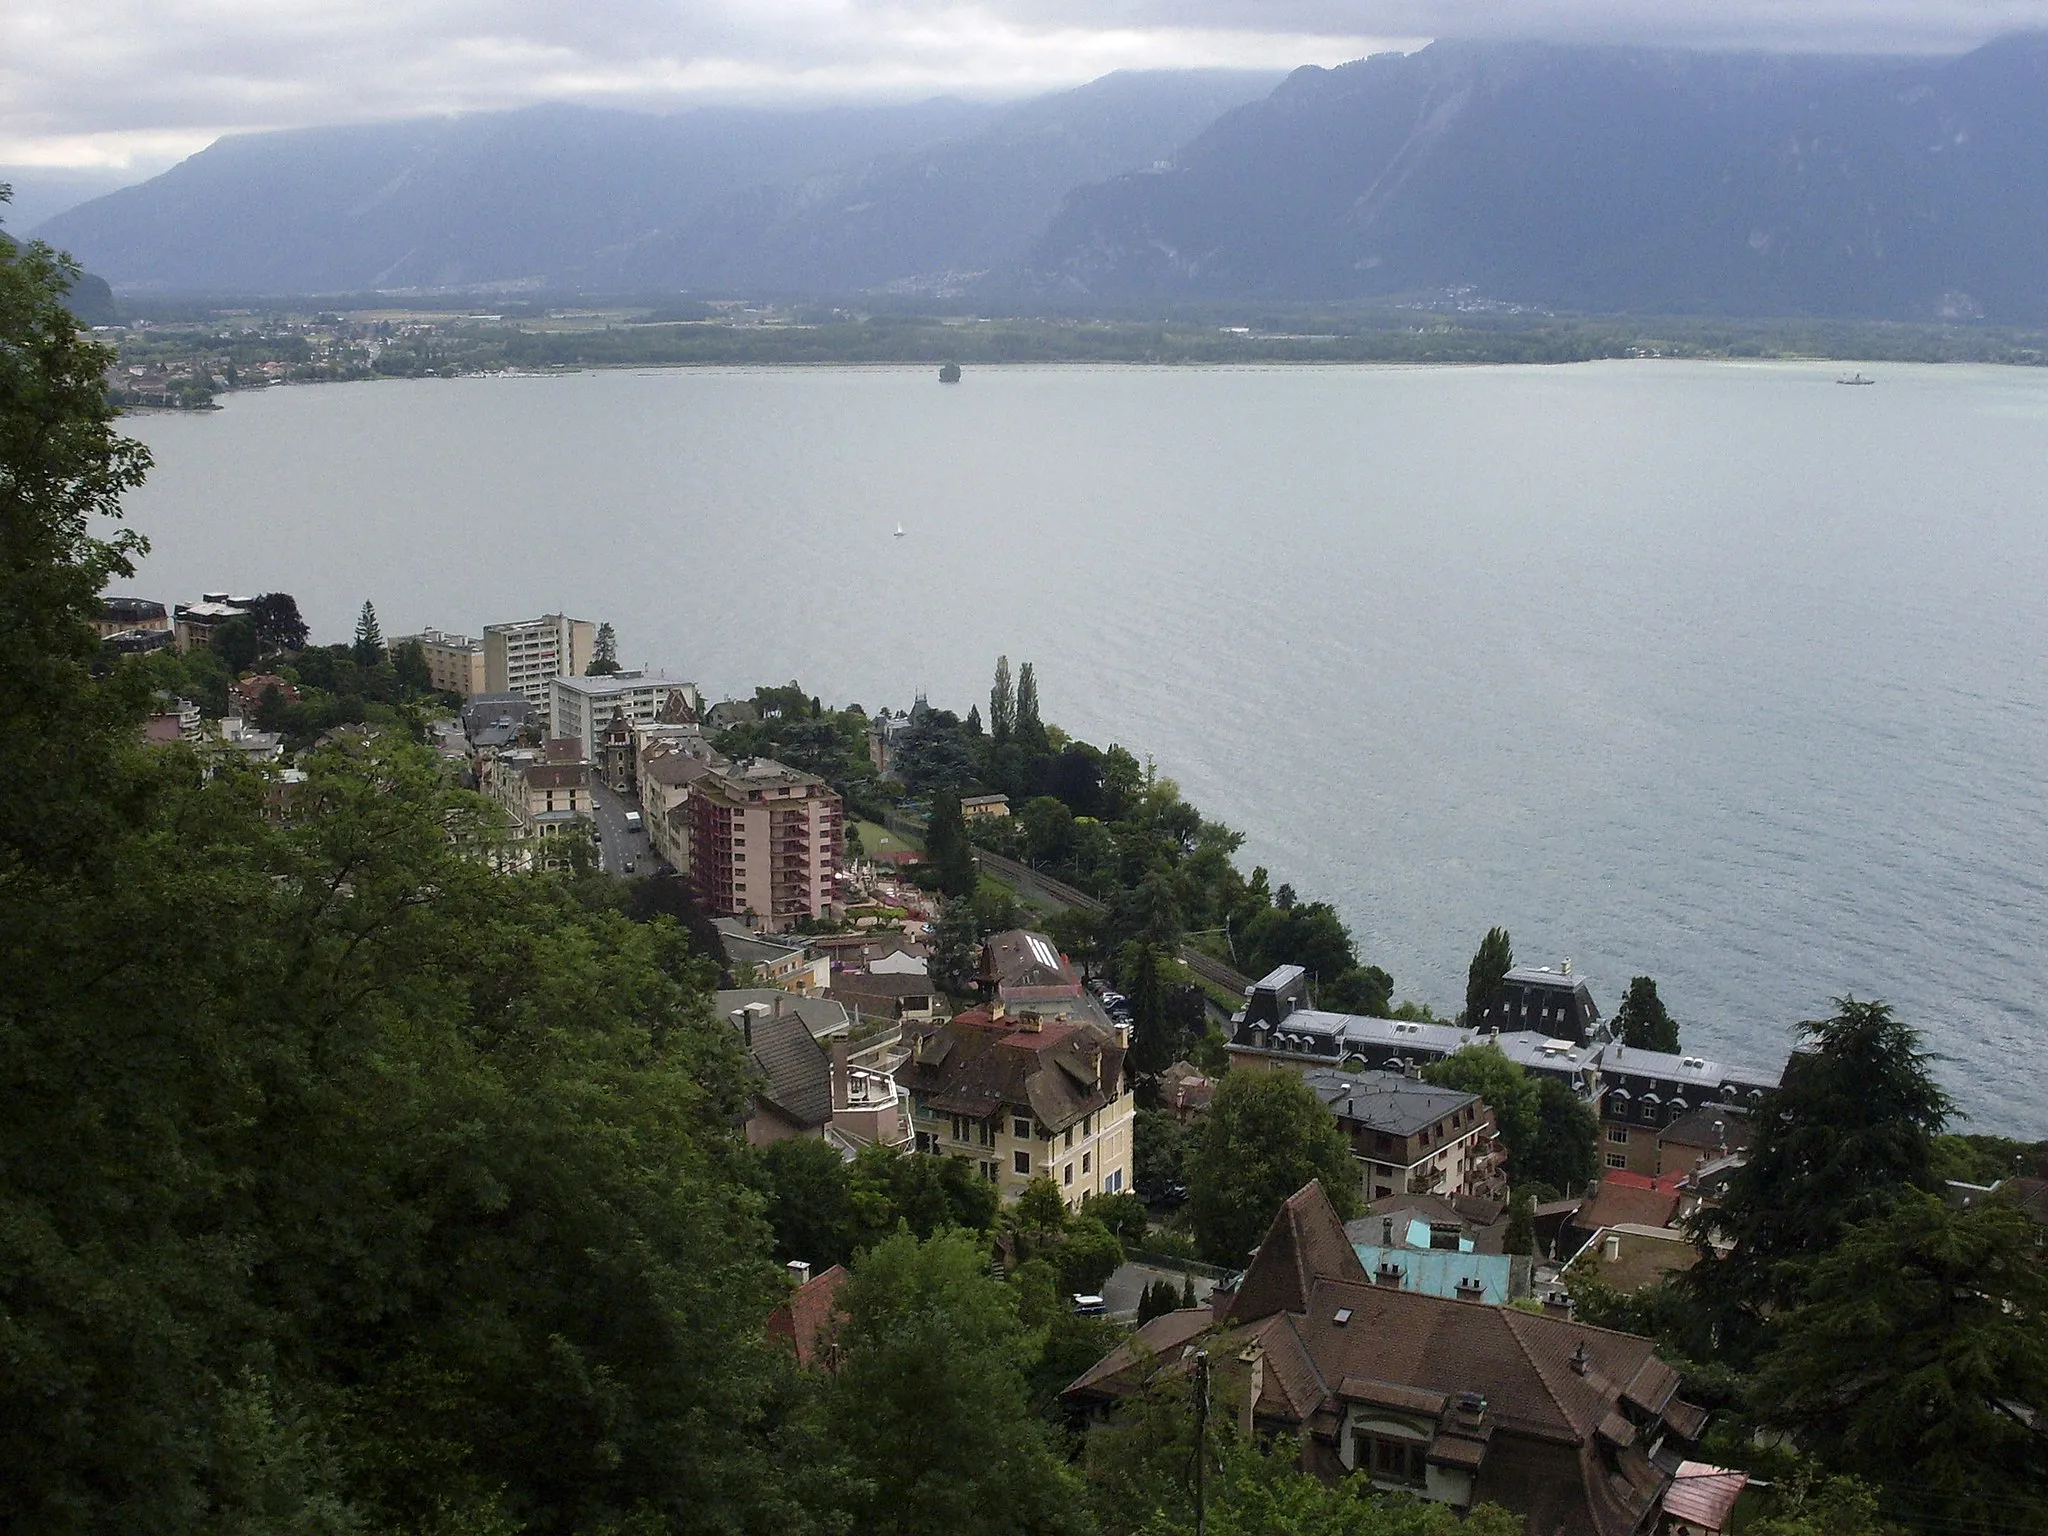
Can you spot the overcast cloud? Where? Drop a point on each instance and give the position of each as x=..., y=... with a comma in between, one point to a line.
x=139, y=83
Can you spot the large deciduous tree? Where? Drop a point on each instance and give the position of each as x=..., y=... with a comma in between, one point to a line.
x=1266, y=1136
x=1510, y=1092
x=928, y=1413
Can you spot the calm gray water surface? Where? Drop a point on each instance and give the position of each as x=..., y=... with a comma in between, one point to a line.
x=1714, y=672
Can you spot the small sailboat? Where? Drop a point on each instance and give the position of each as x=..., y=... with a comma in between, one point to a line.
x=899, y=530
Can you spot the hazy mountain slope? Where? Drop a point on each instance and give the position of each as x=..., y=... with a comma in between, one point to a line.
x=493, y=197
x=962, y=205
x=1602, y=179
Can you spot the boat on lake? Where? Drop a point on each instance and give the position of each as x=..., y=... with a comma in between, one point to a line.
x=899, y=530
x=949, y=374
x=1855, y=378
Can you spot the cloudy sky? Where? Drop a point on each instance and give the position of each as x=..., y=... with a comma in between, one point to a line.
x=103, y=86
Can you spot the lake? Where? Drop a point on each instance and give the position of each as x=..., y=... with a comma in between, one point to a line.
x=1719, y=673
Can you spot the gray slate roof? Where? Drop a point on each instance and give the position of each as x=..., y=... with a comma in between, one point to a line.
x=1385, y=1101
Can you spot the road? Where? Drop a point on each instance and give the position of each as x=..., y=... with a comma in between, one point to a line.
x=615, y=843
x=1122, y=1290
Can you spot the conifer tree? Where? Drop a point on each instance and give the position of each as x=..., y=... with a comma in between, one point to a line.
x=1002, y=704
x=369, y=644
x=1494, y=959
x=1030, y=730
x=605, y=661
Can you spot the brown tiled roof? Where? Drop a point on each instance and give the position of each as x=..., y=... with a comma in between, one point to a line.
x=556, y=775
x=974, y=1064
x=1014, y=962
x=1306, y=1241
x=807, y=1317
x=1617, y=1204
x=1552, y=1390
x=1131, y=1363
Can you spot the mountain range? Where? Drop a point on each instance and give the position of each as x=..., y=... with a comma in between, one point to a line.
x=1600, y=179
x=1593, y=179
x=826, y=200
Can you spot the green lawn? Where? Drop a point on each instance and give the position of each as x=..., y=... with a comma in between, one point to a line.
x=876, y=838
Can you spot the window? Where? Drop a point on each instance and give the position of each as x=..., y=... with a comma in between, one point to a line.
x=1113, y=1183
x=988, y=1171
x=1087, y=1161
x=1021, y=1129
x=1021, y=1163
x=1067, y=1174
x=1618, y=1133
x=1070, y=1136
x=1087, y=1125
x=1390, y=1460
x=1617, y=1159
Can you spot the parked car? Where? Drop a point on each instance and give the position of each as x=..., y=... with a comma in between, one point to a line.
x=629, y=866
x=1090, y=1306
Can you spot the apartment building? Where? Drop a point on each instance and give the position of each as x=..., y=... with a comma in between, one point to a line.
x=1023, y=1097
x=764, y=841
x=546, y=791
x=1645, y=1093
x=1410, y=1138
x=193, y=624
x=130, y=615
x=582, y=707
x=455, y=663
x=1548, y=1002
x=525, y=658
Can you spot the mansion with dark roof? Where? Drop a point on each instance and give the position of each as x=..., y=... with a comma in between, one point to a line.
x=1640, y=1095
x=1578, y=1429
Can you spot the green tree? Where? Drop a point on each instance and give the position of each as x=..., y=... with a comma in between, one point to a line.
x=1565, y=1156
x=1040, y=1214
x=1002, y=705
x=235, y=643
x=1492, y=961
x=956, y=952
x=1088, y=1254
x=368, y=648
x=928, y=1410
x=810, y=1204
x=1642, y=1020
x=1029, y=729
x=1510, y=1092
x=1152, y=1038
x=1158, y=1299
x=1849, y=1131
x=1266, y=1135
x=410, y=667
x=1158, y=1149
x=947, y=849
x=1520, y=1236
x=278, y=624
x=1916, y=1359
x=606, y=660
x=1048, y=830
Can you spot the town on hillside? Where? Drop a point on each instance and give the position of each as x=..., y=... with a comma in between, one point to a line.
x=1446, y=1258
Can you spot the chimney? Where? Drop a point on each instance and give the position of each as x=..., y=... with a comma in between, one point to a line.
x=799, y=1271
x=841, y=1098
x=1582, y=1361
x=776, y=1005
x=1390, y=1274
x=1469, y=1289
x=1030, y=1023
x=1611, y=1249
x=743, y=1021
x=1558, y=1304
x=1255, y=1357
x=1386, y=1231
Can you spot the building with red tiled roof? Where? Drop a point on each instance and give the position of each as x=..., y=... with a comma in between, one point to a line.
x=810, y=1315
x=1453, y=1401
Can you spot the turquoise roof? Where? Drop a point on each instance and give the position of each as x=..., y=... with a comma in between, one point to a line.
x=1437, y=1271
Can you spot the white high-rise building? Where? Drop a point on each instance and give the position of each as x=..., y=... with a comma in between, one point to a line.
x=525, y=658
x=583, y=706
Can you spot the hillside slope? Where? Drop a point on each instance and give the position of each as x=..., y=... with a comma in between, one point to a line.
x=1600, y=179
